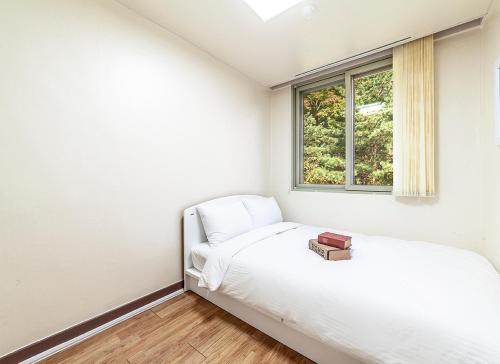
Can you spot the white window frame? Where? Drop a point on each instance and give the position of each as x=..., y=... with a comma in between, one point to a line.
x=298, y=90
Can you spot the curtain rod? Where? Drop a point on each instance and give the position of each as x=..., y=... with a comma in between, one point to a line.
x=373, y=54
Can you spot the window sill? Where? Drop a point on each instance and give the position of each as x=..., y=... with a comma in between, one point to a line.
x=338, y=190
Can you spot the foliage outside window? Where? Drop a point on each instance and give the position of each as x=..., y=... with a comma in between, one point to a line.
x=343, y=131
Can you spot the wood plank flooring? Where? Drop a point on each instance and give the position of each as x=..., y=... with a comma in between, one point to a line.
x=186, y=329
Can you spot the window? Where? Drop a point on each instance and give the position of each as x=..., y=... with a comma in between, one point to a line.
x=343, y=131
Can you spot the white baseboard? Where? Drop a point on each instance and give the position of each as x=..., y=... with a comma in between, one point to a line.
x=99, y=329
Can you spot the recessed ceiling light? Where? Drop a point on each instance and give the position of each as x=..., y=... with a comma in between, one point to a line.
x=267, y=9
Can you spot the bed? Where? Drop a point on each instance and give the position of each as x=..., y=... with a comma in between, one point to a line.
x=396, y=301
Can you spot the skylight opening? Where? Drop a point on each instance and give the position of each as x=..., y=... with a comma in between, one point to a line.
x=268, y=9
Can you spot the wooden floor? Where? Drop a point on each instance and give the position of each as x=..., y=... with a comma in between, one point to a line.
x=186, y=329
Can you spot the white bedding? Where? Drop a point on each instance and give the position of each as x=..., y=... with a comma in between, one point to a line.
x=199, y=255
x=396, y=301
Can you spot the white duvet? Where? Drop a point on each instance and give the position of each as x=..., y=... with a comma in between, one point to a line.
x=396, y=301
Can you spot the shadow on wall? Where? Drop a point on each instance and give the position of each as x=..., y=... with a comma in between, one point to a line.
x=417, y=201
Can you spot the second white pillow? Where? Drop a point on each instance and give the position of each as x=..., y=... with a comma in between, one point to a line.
x=263, y=211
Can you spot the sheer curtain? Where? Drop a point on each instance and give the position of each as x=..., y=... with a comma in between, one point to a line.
x=413, y=67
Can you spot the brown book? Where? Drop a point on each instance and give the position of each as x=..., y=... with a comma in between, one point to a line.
x=329, y=252
x=335, y=240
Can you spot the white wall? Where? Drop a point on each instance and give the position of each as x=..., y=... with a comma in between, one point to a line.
x=453, y=217
x=109, y=128
x=490, y=156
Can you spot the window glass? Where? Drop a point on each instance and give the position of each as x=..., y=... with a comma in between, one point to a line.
x=373, y=128
x=324, y=135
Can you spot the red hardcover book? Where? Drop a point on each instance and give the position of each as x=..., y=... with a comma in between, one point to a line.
x=335, y=240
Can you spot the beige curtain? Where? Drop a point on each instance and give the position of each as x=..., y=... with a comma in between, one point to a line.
x=413, y=65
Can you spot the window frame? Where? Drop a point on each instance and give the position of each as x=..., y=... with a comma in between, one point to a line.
x=347, y=77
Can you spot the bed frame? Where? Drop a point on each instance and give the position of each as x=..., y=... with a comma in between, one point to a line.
x=311, y=348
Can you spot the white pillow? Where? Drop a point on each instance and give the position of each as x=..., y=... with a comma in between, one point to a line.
x=264, y=211
x=223, y=221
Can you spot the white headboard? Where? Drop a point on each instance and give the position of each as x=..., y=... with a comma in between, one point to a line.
x=193, y=227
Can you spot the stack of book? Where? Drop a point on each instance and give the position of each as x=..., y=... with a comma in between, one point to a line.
x=332, y=246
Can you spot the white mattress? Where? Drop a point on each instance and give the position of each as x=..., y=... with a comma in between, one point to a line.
x=199, y=255
x=396, y=301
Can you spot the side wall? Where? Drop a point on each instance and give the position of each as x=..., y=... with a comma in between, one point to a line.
x=490, y=156
x=453, y=217
x=109, y=127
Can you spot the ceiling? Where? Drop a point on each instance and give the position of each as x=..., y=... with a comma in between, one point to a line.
x=309, y=35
